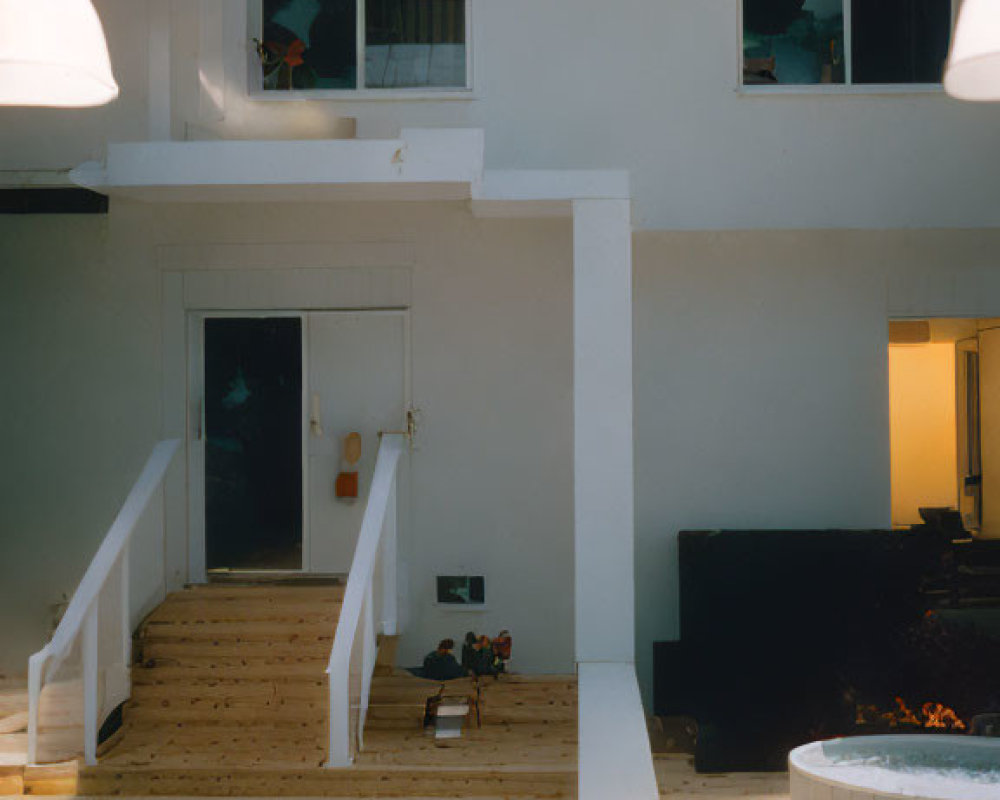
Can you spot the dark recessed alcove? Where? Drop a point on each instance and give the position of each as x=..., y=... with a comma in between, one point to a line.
x=785, y=635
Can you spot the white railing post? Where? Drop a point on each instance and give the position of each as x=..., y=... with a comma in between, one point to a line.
x=340, y=717
x=126, y=610
x=90, y=680
x=390, y=592
x=81, y=616
x=368, y=650
x=35, y=666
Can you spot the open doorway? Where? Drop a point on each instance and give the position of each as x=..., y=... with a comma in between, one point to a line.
x=945, y=435
x=253, y=443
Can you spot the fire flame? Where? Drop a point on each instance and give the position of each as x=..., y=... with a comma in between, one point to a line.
x=931, y=715
x=939, y=716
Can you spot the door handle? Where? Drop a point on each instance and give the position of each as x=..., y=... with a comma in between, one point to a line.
x=315, y=416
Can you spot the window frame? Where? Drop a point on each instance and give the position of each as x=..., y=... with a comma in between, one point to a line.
x=845, y=88
x=256, y=90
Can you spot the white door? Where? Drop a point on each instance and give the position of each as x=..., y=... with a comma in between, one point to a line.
x=357, y=384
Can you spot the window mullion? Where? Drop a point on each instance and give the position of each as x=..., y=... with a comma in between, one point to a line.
x=848, y=45
x=362, y=80
x=469, y=75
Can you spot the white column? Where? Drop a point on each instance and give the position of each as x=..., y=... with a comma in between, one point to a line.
x=614, y=755
x=603, y=471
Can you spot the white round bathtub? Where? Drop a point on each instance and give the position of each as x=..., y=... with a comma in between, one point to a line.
x=930, y=767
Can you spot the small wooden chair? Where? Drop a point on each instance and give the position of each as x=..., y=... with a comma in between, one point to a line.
x=446, y=713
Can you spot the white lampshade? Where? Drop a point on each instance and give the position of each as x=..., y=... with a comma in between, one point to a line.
x=53, y=53
x=973, y=71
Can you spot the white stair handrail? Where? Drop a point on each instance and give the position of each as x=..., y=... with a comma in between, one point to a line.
x=358, y=600
x=78, y=617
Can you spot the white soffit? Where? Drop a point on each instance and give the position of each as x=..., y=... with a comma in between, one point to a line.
x=545, y=193
x=423, y=164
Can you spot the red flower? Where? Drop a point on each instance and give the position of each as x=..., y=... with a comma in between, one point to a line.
x=294, y=55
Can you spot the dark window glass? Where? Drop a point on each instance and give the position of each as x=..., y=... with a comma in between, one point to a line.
x=793, y=41
x=461, y=589
x=802, y=41
x=899, y=41
x=411, y=43
x=309, y=44
x=312, y=44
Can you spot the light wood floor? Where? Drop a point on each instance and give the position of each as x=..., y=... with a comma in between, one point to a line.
x=231, y=700
x=677, y=779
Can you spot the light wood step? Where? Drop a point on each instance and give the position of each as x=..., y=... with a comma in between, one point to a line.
x=279, y=593
x=49, y=779
x=232, y=699
x=14, y=723
x=229, y=668
x=285, y=690
x=243, y=631
x=180, y=651
x=382, y=781
x=236, y=610
x=230, y=710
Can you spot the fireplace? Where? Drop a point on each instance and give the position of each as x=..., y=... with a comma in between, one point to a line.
x=792, y=636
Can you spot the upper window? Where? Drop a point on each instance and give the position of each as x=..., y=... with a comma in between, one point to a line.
x=363, y=44
x=846, y=42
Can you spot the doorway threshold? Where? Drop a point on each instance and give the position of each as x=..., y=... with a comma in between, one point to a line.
x=272, y=577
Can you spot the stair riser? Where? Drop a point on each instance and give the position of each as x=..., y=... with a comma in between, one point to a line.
x=396, y=717
x=244, y=610
x=328, y=783
x=164, y=671
x=249, y=713
x=198, y=651
x=231, y=692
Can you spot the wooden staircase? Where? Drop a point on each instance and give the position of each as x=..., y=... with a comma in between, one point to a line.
x=230, y=698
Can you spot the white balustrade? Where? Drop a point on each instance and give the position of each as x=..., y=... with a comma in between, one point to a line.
x=82, y=674
x=368, y=609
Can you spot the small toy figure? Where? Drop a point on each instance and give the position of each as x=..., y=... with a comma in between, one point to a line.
x=501, y=650
x=440, y=665
x=484, y=662
x=469, y=652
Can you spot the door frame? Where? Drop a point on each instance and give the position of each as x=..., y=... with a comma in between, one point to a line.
x=195, y=323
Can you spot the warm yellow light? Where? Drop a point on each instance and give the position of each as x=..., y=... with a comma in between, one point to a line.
x=53, y=53
x=973, y=71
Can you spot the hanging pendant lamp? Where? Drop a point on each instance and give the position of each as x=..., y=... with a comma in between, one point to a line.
x=53, y=53
x=973, y=71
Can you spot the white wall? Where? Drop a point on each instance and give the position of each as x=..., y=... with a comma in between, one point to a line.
x=79, y=403
x=640, y=85
x=922, y=429
x=761, y=391
x=651, y=87
x=761, y=382
x=491, y=487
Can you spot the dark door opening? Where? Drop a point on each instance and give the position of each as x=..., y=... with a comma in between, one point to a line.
x=253, y=443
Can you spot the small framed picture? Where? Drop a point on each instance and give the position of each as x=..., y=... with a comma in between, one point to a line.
x=468, y=590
